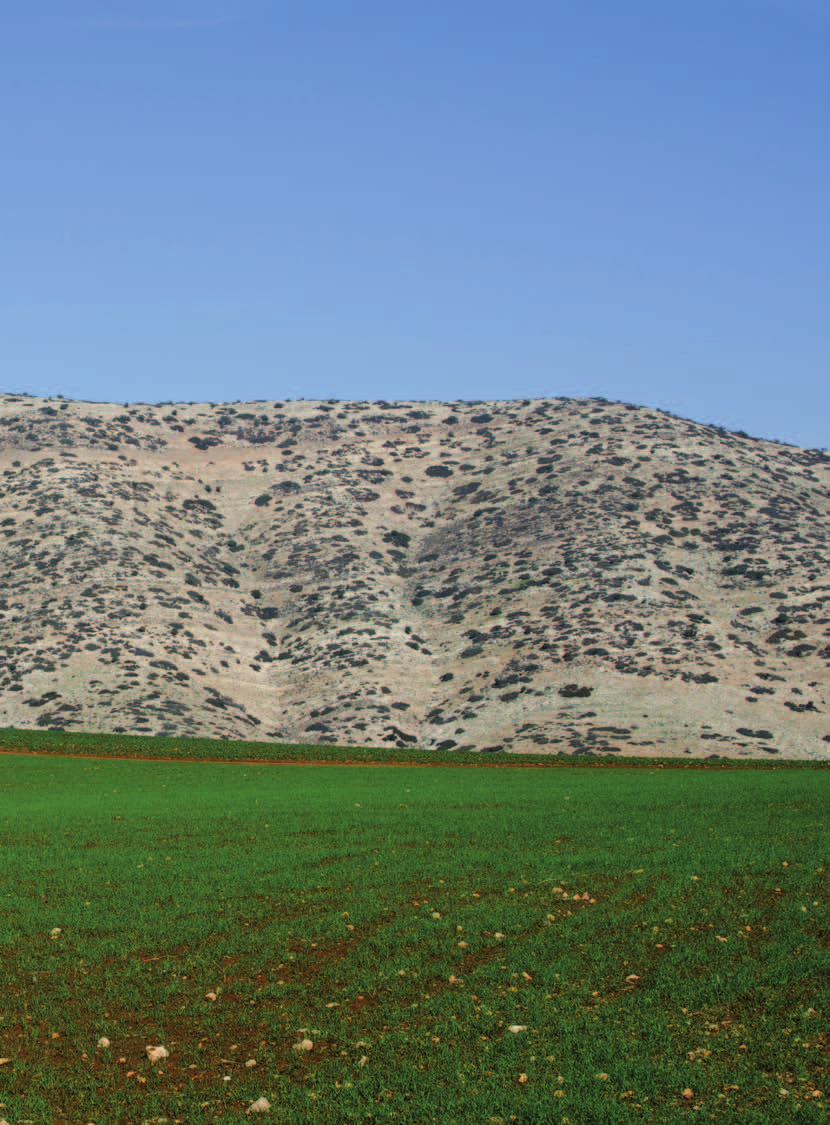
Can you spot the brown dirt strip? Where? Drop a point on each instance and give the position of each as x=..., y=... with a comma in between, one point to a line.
x=485, y=763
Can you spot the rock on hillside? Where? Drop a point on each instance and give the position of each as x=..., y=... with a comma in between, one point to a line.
x=555, y=575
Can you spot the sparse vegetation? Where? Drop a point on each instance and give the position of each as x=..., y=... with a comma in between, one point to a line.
x=619, y=549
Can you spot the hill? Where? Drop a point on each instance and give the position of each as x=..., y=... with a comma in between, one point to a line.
x=552, y=575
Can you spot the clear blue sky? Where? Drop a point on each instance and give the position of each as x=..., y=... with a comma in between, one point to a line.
x=234, y=199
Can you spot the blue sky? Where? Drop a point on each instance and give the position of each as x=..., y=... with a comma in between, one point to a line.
x=238, y=199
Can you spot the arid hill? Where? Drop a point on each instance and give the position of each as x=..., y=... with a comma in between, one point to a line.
x=556, y=575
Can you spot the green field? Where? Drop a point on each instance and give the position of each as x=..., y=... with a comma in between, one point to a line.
x=142, y=747
x=650, y=932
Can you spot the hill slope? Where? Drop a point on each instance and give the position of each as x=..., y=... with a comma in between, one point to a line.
x=547, y=575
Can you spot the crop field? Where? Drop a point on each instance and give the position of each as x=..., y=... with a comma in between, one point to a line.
x=408, y=944
x=145, y=747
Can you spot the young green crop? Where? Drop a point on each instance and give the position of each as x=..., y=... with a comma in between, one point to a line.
x=455, y=945
x=60, y=742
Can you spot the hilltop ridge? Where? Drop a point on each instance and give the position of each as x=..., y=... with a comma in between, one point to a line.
x=554, y=575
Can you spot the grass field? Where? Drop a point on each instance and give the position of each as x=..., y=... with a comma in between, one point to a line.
x=405, y=944
x=142, y=747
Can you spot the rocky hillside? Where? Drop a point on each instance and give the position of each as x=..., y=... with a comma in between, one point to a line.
x=555, y=575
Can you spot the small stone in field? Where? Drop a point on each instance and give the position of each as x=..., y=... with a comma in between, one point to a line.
x=156, y=1054
x=261, y=1105
x=303, y=1045
x=55, y=933
x=210, y=996
x=517, y=1027
x=250, y=1063
x=687, y=1093
x=103, y=1041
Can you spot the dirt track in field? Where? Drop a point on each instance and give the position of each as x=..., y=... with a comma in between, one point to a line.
x=677, y=764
